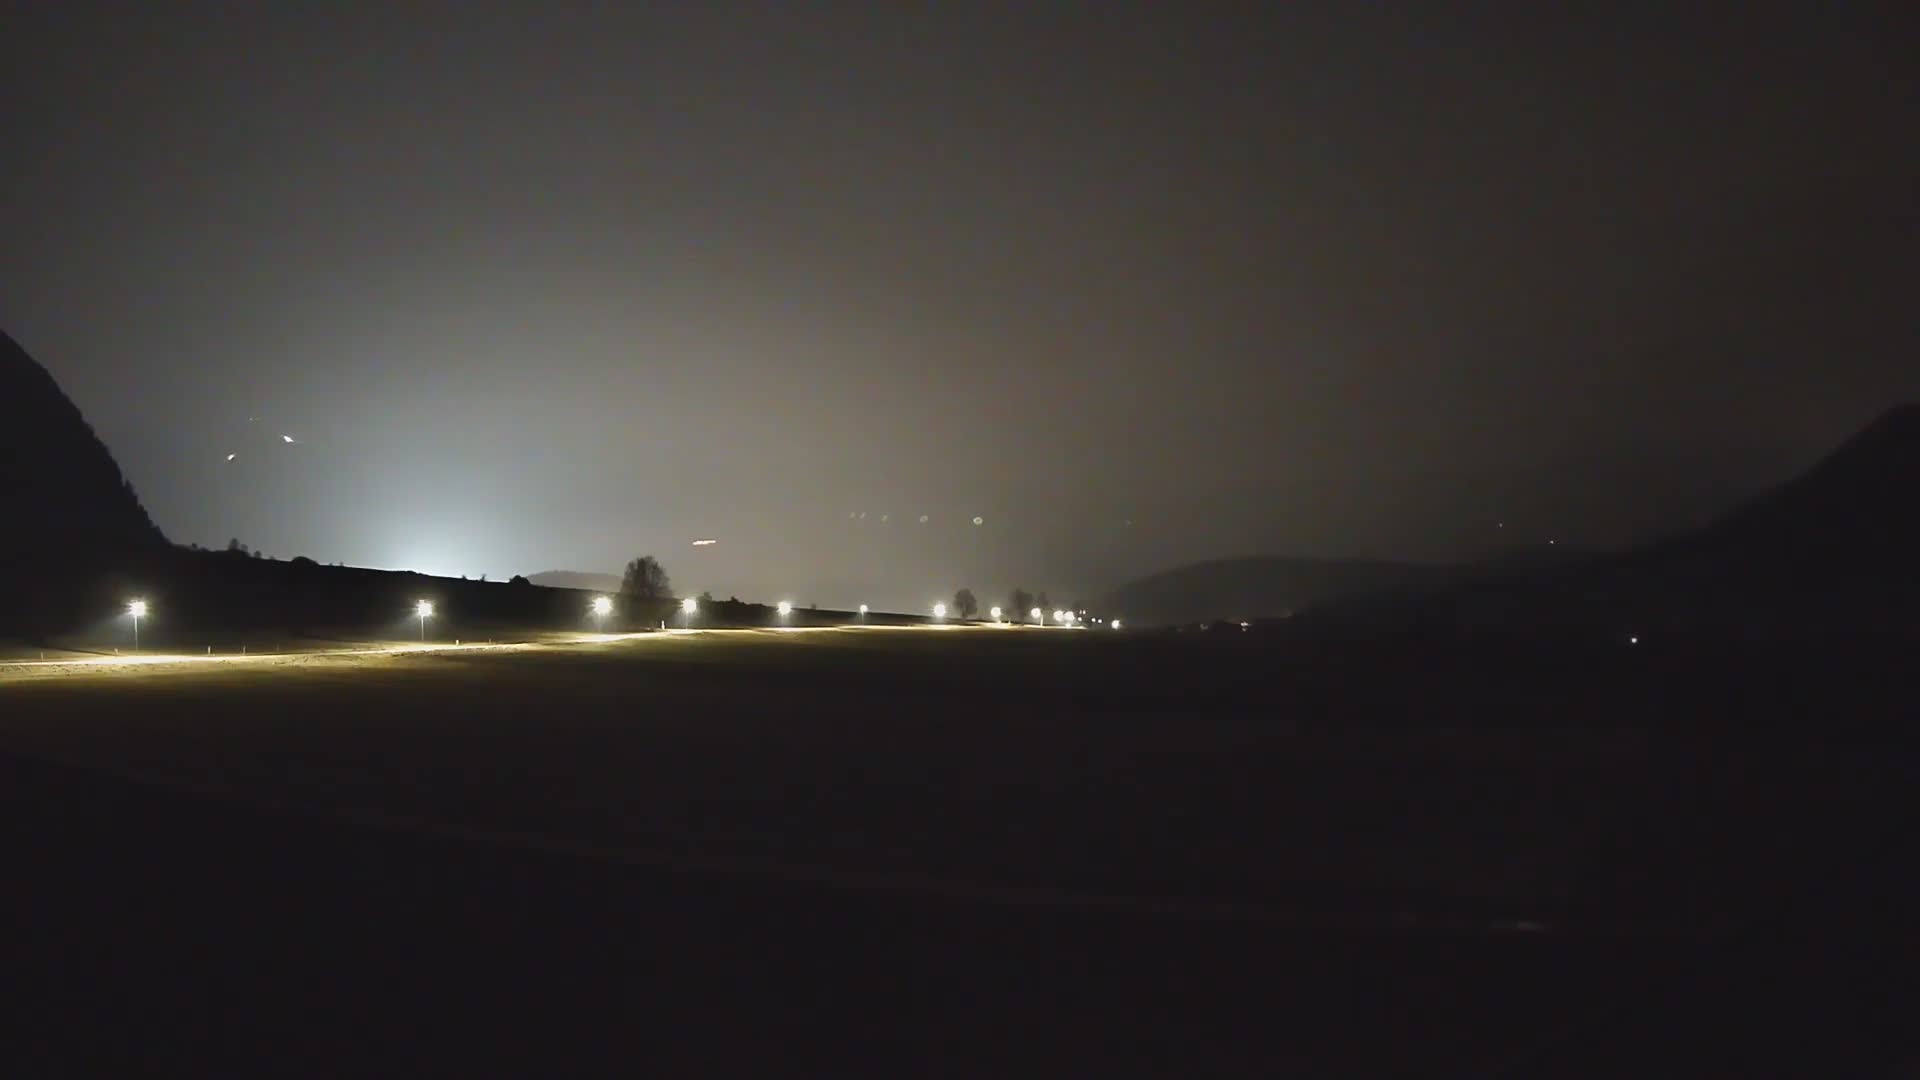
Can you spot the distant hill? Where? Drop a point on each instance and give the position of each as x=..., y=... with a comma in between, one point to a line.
x=1855, y=512
x=1836, y=547
x=67, y=502
x=1275, y=586
x=1258, y=587
x=1833, y=550
x=576, y=579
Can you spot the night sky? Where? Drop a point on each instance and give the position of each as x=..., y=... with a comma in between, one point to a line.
x=1135, y=284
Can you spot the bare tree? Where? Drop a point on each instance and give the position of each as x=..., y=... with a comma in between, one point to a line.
x=964, y=604
x=646, y=579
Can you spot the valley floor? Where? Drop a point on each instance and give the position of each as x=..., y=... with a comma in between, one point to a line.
x=923, y=852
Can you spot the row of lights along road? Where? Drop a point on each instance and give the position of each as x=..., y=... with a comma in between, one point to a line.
x=602, y=606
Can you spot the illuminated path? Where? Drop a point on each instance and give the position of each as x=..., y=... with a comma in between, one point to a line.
x=117, y=663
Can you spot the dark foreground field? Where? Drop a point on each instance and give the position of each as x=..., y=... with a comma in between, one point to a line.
x=958, y=853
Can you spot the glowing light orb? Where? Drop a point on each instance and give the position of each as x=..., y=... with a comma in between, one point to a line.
x=424, y=609
x=137, y=609
x=690, y=605
x=939, y=611
x=786, y=607
x=602, y=605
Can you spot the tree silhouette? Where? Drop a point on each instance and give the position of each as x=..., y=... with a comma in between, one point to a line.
x=647, y=579
x=1021, y=601
x=965, y=604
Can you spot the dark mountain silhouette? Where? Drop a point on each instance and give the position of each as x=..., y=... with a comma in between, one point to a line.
x=1854, y=510
x=1274, y=586
x=576, y=579
x=68, y=504
x=1837, y=547
x=1259, y=587
x=1835, y=550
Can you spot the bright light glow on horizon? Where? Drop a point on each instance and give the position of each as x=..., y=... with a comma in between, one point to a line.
x=690, y=605
x=939, y=611
x=863, y=609
x=786, y=607
x=602, y=605
x=1035, y=614
x=995, y=612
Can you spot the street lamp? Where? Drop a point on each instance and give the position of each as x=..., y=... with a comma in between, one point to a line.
x=688, y=607
x=863, y=611
x=137, y=609
x=1115, y=624
x=602, y=607
x=785, y=608
x=995, y=612
x=939, y=611
x=424, y=609
x=1036, y=616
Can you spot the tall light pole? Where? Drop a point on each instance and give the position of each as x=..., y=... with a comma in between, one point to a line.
x=601, y=607
x=687, y=609
x=137, y=609
x=424, y=609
